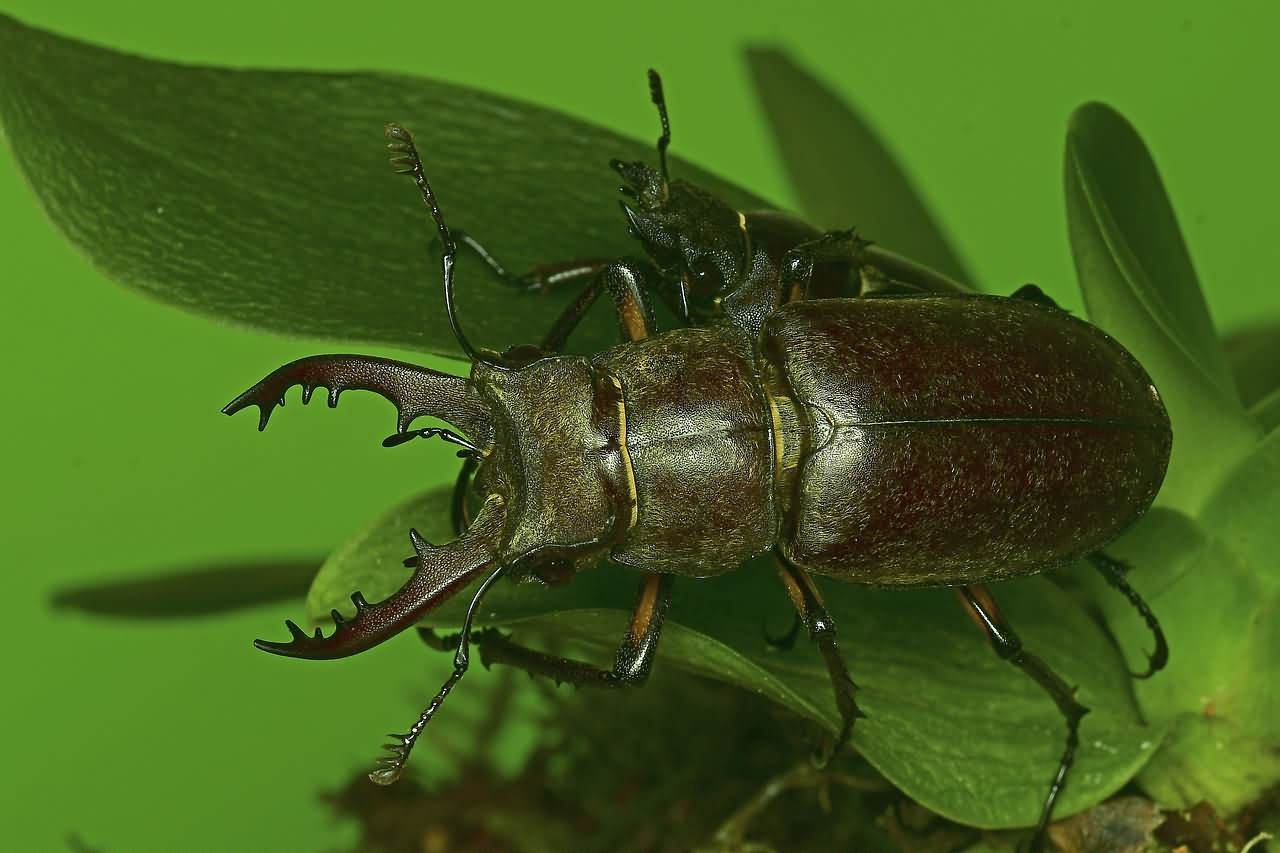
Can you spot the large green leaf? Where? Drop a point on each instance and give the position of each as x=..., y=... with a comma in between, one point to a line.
x=952, y=725
x=1222, y=614
x=265, y=197
x=1139, y=285
x=1205, y=557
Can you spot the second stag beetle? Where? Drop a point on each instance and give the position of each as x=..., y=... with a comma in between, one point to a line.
x=706, y=260
x=909, y=439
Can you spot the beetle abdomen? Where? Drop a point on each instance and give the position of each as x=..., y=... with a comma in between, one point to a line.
x=959, y=439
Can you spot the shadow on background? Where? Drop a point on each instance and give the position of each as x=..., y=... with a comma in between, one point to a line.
x=198, y=591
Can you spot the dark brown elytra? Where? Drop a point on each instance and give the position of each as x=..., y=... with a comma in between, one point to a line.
x=824, y=404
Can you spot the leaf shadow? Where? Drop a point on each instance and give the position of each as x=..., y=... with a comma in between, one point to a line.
x=192, y=591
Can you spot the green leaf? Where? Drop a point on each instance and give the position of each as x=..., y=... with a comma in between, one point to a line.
x=1139, y=285
x=1267, y=411
x=841, y=169
x=265, y=198
x=1204, y=558
x=1223, y=688
x=1215, y=585
x=952, y=725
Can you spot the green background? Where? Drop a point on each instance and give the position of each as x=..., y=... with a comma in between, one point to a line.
x=177, y=734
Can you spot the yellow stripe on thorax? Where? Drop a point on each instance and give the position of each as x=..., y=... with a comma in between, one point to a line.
x=629, y=472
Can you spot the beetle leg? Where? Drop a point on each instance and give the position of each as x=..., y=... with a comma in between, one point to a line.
x=626, y=280
x=822, y=631
x=1114, y=571
x=799, y=261
x=895, y=278
x=880, y=272
x=631, y=664
x=543, y=277
x=906, y=275
x=982, y=609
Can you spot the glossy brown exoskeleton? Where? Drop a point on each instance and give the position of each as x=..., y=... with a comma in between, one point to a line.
x=901, y=439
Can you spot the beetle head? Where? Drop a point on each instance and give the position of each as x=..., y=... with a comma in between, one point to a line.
x=696, y=240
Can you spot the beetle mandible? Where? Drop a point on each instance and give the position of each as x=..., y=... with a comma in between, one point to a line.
x=886, y=441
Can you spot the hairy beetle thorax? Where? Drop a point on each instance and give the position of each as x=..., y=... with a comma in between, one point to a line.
x=558, y=459
x=699, y=439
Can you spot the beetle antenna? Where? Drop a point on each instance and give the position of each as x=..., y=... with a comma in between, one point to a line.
x=660, y=101
x=391, y=766
x=411, y=164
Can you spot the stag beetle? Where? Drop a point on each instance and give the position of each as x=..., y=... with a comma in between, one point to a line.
x=899, y=439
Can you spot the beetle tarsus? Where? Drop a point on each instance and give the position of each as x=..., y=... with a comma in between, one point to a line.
x=845, y=692
x=1114, y=571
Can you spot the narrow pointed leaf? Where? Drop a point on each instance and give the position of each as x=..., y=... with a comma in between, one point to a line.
x=1139, y=285
x=843, y=172
x=266, y=198
x=1110, y=173
x=955, y=727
